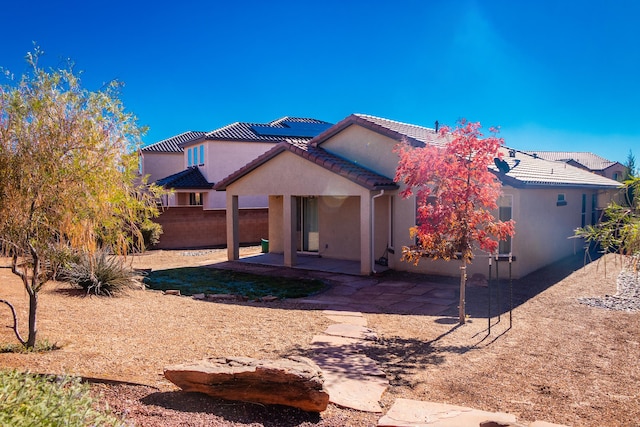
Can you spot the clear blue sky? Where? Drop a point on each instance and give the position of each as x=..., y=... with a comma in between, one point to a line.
x=554, y=75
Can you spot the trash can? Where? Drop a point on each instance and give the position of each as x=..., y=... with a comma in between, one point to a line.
x=265, y=246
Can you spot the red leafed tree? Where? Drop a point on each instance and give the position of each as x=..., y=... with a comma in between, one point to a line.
x=456, y=194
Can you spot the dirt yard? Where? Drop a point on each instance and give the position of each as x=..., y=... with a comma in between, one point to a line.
x=561, y=361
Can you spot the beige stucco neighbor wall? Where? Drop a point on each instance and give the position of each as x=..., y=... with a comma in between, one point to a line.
x=223, y=158
x=160, y=165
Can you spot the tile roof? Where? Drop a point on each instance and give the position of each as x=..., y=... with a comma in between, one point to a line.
x=345, y=168
x=294, y=129
x=190, y=178
x=588, y=160
x=527, y=171
x=173, y=144
x=416, y=135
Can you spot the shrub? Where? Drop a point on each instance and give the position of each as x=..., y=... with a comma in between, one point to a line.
x=99, y=273
x=151, y=232
x=35, y=400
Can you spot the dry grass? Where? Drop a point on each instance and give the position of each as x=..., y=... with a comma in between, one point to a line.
x=561, y=362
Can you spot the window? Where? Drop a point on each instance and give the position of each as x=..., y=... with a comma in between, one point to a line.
x=195, y=156
x=195, y=199
x=202, y=154
x=594, y=209
x=561, y=200
x=583, y=212
x=505, y=213
x=189, y=157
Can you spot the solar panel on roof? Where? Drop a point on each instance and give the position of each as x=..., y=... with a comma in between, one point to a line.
x=293, y=129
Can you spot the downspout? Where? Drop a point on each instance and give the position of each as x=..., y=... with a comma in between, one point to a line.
x=373, y=217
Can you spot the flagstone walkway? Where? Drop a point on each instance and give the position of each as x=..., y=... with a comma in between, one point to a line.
x=354, y=380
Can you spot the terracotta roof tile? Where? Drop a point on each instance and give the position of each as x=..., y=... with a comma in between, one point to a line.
x=190, y=178
x=525, y=170
x=588, y=160
x=173, y=144
x=415, y=135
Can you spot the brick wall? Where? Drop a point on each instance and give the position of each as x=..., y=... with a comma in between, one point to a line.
x=193, y=227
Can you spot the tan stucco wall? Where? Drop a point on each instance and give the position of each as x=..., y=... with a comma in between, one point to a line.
x=160, y=165
x=372, y=150
x=290, y=175
x=339, y=227
x=543, y=231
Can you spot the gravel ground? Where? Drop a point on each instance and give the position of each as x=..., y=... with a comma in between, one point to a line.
x=559, y=360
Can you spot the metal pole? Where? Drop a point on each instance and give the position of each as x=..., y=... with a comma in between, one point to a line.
x=489, y=304
x=510, y=293
x=498, y=282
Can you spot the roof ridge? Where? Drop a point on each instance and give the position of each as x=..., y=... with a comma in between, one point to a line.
x=367, y=116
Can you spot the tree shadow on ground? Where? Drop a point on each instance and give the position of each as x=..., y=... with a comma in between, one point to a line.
x=398, y=358
x=504, y=293
x=232, y=411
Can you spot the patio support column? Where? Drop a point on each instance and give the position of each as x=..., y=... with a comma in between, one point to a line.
x=289, y=230
x=365, y=235
x=233, y=233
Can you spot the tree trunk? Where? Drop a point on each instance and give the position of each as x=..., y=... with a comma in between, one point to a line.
x=33, y=327
x=463, y=284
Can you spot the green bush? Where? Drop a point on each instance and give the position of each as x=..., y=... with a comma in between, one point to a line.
x=99, y=273
x=34, y=400
x=151, y=232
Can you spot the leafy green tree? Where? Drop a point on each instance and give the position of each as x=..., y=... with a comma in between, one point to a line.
x=68, y=179
x=630, y=166
x=619, y=231
x=456, y=194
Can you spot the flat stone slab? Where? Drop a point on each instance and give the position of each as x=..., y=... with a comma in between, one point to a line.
x=325, y=342
x=351, y=320
x=413, y=413
x=351, y=331
x=342, y=313
x=352, y=379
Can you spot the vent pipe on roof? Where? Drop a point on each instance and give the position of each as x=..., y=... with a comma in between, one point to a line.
x=436, y=126
x=512, y=153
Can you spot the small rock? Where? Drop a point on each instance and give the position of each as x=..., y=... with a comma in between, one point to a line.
x=199, y=297
x=222, y=297
x=172, y=292
x=269, y=298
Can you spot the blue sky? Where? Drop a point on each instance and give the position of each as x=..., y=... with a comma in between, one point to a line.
x=554, y=75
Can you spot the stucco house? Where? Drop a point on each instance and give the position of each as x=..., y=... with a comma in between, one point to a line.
x=334, y=196
x=190, y=163
x=587, y=161
x=207, y=157
x=166, y=157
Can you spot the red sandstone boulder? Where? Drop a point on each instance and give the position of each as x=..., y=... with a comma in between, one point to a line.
x=295, y=382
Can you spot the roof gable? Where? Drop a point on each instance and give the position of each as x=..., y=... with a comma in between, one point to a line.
x=173, y=144
x=358, y=174
x=415, y=135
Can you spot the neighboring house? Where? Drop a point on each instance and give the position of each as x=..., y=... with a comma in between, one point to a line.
x=207, y=157
x=189, y=164
x=166, y=157
x=334, y=196
x=584, y=160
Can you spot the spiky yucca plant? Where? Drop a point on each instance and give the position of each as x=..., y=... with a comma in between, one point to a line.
x=100, y=273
